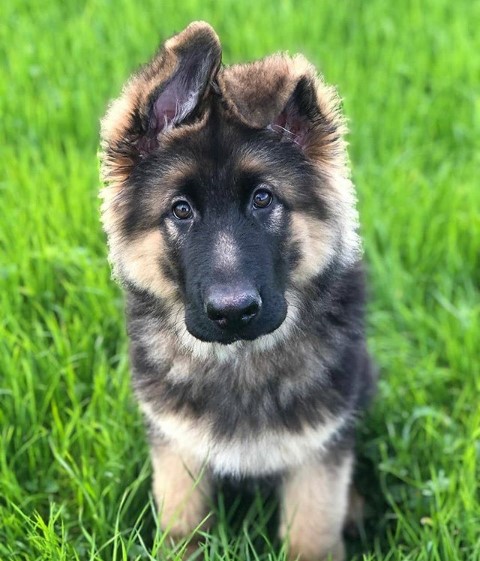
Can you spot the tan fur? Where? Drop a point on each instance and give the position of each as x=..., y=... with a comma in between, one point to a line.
x=252, y=454
x=181, y=489
x=137, y=258
x=316, y=241
x=257, y=92
x=339, y=196
x=314, y=507
x=138, y=262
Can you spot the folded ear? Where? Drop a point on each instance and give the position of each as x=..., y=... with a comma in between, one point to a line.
x=284, y=94
x=300, y=115
x=165, y=93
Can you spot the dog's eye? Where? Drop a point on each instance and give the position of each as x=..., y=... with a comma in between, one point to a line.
x=262, y=198
x=182, y=210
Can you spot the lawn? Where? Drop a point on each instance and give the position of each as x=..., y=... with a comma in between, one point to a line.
x=74, y=470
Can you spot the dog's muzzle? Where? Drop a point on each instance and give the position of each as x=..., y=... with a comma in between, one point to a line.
x=232, y=308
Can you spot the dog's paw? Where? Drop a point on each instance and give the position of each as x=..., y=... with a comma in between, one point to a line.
x=333, y=553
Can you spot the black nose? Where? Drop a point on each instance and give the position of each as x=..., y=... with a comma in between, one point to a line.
x=232, y=308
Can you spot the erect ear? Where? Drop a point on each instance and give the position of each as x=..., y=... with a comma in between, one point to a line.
x=166, y=92
x=284, y=94
x=195, y=54
x=300, y=114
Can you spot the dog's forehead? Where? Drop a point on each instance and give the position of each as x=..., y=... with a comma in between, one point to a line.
x=221, y=155
x=220, y=147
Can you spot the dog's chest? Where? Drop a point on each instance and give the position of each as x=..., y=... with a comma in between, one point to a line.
x=258, y=453
x=248, y=417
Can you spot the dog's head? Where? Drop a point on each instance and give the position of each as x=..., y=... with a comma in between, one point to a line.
x=227, y=188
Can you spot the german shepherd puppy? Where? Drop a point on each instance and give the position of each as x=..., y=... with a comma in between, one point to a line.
x=232, y=227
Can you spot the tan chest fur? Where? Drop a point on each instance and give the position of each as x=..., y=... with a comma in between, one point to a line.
x=256, y=454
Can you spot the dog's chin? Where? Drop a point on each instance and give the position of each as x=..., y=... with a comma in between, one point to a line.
x=216, y=335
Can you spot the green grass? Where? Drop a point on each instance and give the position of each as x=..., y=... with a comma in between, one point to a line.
x=74, y=471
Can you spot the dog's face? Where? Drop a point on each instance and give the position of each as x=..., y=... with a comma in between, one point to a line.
x=227, y=188
x=223, y=223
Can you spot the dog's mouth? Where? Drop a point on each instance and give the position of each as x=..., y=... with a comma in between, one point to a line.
x=206, y=330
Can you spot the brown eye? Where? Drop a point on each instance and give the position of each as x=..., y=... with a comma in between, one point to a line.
x=262, y=198
x=182, y=210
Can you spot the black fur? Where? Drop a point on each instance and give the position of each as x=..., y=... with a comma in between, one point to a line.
x=332, y=314
x=246, y=321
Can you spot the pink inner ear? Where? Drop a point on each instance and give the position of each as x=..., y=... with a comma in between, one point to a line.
x=182, y=92
x=291, y=126
x=167, y=108
x=280, y=121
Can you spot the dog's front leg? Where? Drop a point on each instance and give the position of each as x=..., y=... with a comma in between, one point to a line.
x=314, y=507
x=182, y=489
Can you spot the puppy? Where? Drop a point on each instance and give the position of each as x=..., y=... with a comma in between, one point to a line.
x=232, y=227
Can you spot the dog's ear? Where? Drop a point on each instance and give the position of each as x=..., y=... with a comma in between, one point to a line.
x=300, y=114
x=188, y=63
x=165, y=93
x=285, y=95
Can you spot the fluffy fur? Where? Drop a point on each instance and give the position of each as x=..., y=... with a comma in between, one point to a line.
x=277, y=392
